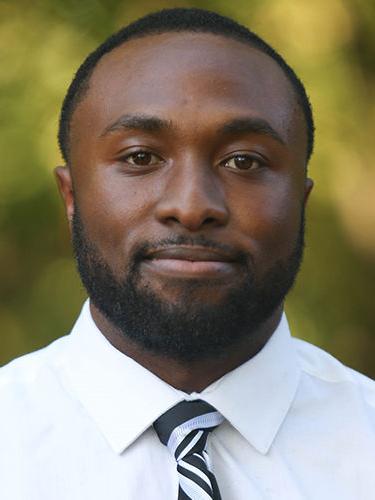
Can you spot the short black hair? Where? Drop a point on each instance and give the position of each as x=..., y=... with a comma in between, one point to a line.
x=176, y=20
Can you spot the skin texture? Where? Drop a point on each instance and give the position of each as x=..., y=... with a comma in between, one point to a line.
x=193, y=184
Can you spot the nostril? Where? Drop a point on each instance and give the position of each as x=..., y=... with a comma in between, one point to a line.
x=172, y=218
x=209, y=220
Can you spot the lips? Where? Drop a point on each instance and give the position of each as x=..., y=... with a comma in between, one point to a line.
x=190, y=262
x=189, y=253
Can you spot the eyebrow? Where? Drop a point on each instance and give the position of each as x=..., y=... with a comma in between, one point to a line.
x=252, y=125
x=149, y=123
x=146, y=123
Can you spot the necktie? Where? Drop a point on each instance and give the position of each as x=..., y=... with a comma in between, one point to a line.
x=184, y=430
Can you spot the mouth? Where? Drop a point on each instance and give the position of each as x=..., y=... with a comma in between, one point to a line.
x=190, y=262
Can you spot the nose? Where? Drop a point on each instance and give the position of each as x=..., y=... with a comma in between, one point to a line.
x=193, y=197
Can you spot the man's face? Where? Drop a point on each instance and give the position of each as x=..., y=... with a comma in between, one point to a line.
x=187, y=158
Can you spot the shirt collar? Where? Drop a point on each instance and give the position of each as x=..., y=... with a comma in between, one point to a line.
x=255, y=397
x=124, y=398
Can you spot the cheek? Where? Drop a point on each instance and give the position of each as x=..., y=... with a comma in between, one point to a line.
x=114, y=211
x=271, y=218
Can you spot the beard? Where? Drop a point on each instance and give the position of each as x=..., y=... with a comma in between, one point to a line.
x=191, y=329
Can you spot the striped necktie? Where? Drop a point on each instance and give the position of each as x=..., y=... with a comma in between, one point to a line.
x=184, y=430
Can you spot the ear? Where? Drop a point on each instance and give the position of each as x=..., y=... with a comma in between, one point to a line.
x=309, y=184
x=65, y=185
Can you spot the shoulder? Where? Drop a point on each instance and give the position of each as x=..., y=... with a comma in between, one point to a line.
x=29, y=378
x=324, y=370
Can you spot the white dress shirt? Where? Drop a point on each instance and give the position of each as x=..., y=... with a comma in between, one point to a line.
x=76, y=424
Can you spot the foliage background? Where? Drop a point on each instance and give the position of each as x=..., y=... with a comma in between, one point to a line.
x=331, y=45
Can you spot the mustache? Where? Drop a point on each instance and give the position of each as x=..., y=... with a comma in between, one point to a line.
x=143, y=249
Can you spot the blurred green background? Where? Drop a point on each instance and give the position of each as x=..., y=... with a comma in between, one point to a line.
x=330, y=44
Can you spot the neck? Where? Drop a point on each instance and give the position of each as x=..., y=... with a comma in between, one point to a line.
x=192, y=376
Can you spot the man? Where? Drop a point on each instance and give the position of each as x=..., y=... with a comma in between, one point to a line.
x=186, y=140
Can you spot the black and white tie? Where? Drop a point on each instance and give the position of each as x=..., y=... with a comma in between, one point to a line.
x=184, y=430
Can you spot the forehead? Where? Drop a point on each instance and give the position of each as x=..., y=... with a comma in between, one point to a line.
x=196, y=77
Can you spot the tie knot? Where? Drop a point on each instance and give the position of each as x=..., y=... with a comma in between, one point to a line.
x=185, y=427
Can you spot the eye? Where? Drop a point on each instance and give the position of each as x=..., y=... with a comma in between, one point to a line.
x=141, y=159
x=243, y=162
